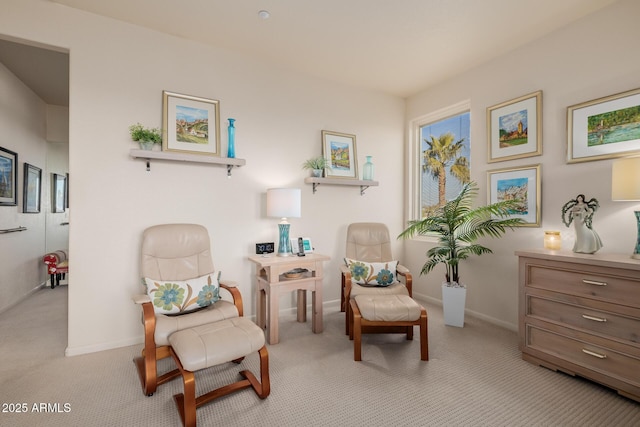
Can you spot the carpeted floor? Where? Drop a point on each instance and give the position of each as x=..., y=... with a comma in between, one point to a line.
x=475, y=377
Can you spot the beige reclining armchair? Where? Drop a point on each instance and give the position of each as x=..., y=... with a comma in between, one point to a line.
x=370, y=242
x=176, y=252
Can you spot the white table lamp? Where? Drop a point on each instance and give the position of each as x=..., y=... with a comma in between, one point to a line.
x=284, y=203
x=625, y=186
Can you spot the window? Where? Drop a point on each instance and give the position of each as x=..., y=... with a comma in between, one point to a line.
x=441, y=158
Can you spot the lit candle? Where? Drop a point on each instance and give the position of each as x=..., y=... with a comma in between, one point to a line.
x=552, y=240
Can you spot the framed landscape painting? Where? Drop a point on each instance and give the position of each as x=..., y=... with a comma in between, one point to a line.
x=521, y=183
x=8, y=177
x=515, y=128
x=59, y=189
x=190, y=124
x=32, y=187
x=604, y=128
x=340, y=151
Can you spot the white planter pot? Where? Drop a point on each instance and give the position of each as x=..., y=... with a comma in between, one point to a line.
x=146, y=145
x=453, y=300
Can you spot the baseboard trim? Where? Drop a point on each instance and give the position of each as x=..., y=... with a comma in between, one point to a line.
x=24, y=297
x=327, y=305
x=481, y=316
x=85, y=349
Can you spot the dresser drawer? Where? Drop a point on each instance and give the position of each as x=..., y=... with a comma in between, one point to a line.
x=593, y=282
x=620, y=365
x=607, y=323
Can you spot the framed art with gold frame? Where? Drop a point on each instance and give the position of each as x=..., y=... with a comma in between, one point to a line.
x=340, y=151
x=522, y=183
x=190, y=124
x=604, y=128
x=514, y=128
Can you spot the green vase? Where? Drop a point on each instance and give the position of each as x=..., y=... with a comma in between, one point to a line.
x=367, y=170
x=146, y=145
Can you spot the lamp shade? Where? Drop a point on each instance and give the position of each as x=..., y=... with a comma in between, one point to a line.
x=283, y=202
x=625, y=179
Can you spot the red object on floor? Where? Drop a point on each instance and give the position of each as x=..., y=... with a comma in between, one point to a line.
x=56, y=266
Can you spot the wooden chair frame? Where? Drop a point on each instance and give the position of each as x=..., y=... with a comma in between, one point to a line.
x=147, y=362
x=187, y=402
x=360, y=324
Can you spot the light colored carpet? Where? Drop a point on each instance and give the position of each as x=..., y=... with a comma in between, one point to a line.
x=475, y=377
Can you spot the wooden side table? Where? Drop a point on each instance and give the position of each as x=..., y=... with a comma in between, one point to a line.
x=271, y=282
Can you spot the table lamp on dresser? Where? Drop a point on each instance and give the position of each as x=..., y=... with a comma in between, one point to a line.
x=625, y=186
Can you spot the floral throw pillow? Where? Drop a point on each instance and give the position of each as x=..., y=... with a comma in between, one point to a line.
x=372, y=273
x=176, y=297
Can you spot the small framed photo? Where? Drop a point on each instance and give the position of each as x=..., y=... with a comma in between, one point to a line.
x=521, y=183
x=340, y=151
x=306, y=245
x=515, y=128
x=8, y=177
x=32, y=188
x=604, y=128
x=190, y=124
x=59, y=186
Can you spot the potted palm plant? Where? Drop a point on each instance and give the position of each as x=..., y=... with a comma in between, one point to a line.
x=147, y=137
x=316, y=165
x=457, y=226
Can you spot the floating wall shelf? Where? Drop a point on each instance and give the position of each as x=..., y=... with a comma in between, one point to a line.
x=363, y=184
x=186, y=157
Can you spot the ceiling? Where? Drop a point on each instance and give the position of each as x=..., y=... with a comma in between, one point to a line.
x=44, y=71
x=398, y=47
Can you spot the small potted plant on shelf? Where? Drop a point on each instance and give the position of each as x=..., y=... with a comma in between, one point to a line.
x=457, y=226
x=147, y=137
x=316, y=165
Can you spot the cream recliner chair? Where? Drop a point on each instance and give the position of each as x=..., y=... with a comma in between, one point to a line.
x=370, y=242
x=176, y=252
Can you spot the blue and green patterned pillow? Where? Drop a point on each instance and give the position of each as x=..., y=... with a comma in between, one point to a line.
x=372, y=273
x=177, y=297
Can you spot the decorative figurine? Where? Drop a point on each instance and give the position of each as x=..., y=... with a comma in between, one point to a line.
x=587, y=240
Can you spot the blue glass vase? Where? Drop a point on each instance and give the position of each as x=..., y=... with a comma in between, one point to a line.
x=231, y=146
x=284, y=244
x=367, y=170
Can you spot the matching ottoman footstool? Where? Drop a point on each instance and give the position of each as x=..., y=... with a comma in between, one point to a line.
x=214, y=344
x=381, y=313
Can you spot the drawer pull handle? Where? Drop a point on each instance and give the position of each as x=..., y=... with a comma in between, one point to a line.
x=595, y=319
x=593, y=282
x=591, y=353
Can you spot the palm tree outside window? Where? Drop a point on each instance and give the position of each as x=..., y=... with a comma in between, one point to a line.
x=444, y=161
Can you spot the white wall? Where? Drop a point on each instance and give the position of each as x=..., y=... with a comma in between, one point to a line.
x=592, y=58
x=117, y=74
x=22, y=120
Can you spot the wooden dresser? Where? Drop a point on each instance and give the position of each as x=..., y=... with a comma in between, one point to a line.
x=580, y=314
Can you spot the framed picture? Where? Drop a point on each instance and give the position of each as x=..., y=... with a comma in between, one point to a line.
x=340, y=151
x=8, y=177
x=521, y=183
x=59, y=187
x=190, y=124
x=515, y=128
x=32, y=187
x=604, y=128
